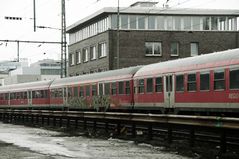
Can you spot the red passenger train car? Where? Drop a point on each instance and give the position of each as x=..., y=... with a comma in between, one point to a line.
x=202, y=83
x=25, y=95
x=205, y=83
x=99, y=91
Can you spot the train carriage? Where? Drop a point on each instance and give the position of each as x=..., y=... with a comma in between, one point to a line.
x=110, y=89
x=25, y=95
x=202, y=83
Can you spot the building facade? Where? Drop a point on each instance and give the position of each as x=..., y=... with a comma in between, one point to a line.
x=147, y=35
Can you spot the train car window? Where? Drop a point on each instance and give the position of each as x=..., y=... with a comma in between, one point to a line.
x=192, y=83
x=107, y=88
x=25, y=95
x=33, y=94
x=94, y=90
x=101, y=89
x=18, y=95
x=149, y=85
x=69, y=92
x=158, y=84
x=53, y=93
x=45, y=94
x=87, y=90
x=81, y=92
x=127, y=87
x=204, y=81
x=113, y=88
x=234, y=79
x=75, y=89
x=219, y=80
x=1, y=97
x=141, y=86
x=121, y=87
x=180, y=83
x=12, y=96
x=59, y=92
x=6, y=96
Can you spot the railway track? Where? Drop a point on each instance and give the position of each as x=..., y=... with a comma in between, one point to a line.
x=222, y=132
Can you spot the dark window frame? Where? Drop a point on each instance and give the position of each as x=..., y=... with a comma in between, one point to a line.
x=192, y=82
x=158, y=85
x=149, y=85
x=203, y=81
x=114, y=88
x=127, y=87
x=182, y=88
x=141, y=86
x=121, y=88
x=219, y=82
x=234, y=84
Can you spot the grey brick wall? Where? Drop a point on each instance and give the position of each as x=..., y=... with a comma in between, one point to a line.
x=132, y=46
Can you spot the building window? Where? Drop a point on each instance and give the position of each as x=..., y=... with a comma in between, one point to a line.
x=196, y=24
x=85, y=55
x=174, y=49
x=169, y=23
x=132, y=21
x=151, y=22
x=160, y=22
x=180, y=83
x=206, y=24
x=219, y=80
x=214, y=23
x=153, y=48
x=114, y=21
x=234, y=79
x=204, y=81
x=177, y=23
x=141, y=22
x=124, y=21
x=192, y=84
x=78, y=57
x=102, y=50
x=92, y=52
x=194, y=49
x=72, y=59
x=187, y=23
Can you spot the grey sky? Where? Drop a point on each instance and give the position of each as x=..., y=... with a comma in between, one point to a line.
x=48, y=14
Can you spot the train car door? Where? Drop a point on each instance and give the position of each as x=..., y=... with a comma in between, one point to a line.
x=29, y=97
x=169, y=91
x=64, y=96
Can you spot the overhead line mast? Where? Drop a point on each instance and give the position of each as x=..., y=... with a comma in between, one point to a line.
x=63, y=40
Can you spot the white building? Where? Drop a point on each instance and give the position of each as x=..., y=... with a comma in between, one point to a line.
x=7, y=66
x=46, y=69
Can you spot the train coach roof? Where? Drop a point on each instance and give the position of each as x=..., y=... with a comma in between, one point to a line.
x=111, y=75
x=217, y=59
x=21, y=87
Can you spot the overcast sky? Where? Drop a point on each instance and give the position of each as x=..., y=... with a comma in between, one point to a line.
x=48, y=13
